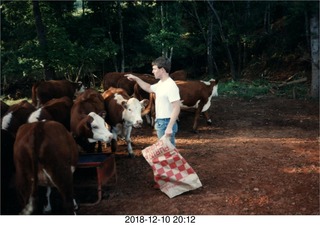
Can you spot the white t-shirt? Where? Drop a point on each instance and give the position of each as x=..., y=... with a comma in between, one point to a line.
x=166, y=92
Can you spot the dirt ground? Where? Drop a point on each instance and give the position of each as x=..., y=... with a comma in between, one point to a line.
x=259, y=157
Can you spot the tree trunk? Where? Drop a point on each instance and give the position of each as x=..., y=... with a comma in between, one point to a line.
x=49, y=72
x=121, y=36
x=224, y=41
x=267, y=18
x=209, y=45
x=314, y=30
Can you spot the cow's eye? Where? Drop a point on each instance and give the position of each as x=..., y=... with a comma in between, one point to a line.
x=94, y=127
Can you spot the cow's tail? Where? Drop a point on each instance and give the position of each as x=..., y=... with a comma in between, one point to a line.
x=37, y=137
x=34, y=159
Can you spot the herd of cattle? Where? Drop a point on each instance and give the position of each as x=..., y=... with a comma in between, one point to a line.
x=41, y=142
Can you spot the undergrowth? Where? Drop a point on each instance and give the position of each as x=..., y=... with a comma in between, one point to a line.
x=259, y=88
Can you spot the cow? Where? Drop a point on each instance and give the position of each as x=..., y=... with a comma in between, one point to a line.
x=57, y=109
x=111, y=79
x=123, y=113
x=16, y=115
x=43, y=91
x=179, y=75
x=118, y=80
x=45, y=154
x=86, y=124
x=197, y=94
x=140, y=94
x=4, y=108
x=7, y=170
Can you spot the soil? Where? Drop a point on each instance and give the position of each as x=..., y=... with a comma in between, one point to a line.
x=259, y=157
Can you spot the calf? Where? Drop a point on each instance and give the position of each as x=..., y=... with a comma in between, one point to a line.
x=57, y=109
x=16, y=115
x=43, y=91
x=45, y=154
x=197, y=94
x=86, y=124
x=123, y=113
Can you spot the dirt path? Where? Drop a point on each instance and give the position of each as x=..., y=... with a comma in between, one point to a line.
x=259, y=157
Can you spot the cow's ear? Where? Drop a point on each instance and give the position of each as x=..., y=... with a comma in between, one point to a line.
x=124, y=104
x=144, y=103
x=103, y=114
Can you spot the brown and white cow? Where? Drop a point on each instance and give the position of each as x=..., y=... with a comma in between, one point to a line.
x=43, y=91
x=16, y=115
x=86, y=124
x=197, y=95
x=57, y=109
x=140, y=94
x=123, y=113
x=45, y=154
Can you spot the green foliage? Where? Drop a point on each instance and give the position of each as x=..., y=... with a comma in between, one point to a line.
x=244, y=89
x=85, y=40
x=261, y=88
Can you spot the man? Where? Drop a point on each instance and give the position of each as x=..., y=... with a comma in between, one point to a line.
x=167, y=98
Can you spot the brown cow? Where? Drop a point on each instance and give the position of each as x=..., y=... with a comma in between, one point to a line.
x=45, y=154
x=123, y=113
x=86, y=124
x=197, y=94
x=16, y=115
x=43, y=91
x=4, y=108
x=57, y=109
x=179, y=75
x=7, y=170
x=118, y=80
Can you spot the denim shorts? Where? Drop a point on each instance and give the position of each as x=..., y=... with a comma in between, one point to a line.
x=161, y=125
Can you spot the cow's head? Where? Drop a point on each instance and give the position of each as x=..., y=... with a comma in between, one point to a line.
x=99, y=128
x=132, y=109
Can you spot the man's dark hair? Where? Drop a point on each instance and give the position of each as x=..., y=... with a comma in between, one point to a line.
x=162, y=62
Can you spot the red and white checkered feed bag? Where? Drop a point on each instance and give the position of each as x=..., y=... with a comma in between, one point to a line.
x=171, y=171
x=170, y=166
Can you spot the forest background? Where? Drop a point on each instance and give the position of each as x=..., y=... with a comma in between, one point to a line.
x=253, y=41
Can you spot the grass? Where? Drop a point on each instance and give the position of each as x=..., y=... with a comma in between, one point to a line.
x=257, y=88
x=244, y=89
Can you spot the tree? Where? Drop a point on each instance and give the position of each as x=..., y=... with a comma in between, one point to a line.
x=315, y=40
x=224, y=42
x=49, y=71
x=121, y=33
